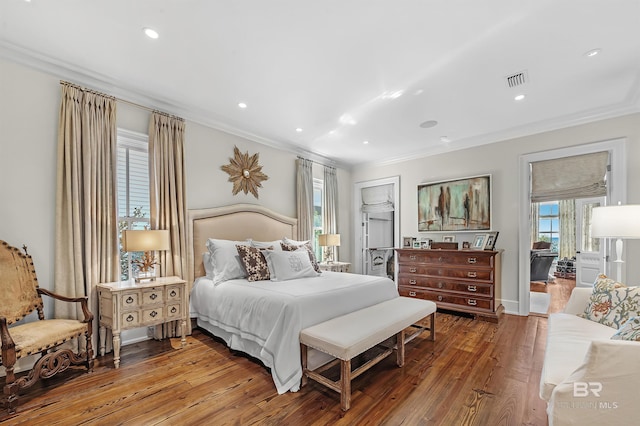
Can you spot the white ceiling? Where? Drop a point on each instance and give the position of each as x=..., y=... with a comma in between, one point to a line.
x=329, y=66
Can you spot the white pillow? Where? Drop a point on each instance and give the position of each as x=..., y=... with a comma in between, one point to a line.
x=294, y=242
x=226, y=261
x=288, y=265
x=271, y=245
x=208, y=264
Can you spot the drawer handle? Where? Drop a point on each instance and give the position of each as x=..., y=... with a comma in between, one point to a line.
x=130, y=318
x=153, y=296
x=472, y=274
x=440, y=259
x=412, y=256
x=439, y=298
x=173, y=293
x=472, y=288
x=472, y=302
x=174, y=310
x=472, y=260
x=440, y=285
x=129, y=300
x=153, y=314
x=412, y=282
x=413, y=269
x=412, y=293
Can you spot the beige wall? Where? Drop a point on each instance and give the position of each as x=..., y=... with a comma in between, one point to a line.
x=501, y=160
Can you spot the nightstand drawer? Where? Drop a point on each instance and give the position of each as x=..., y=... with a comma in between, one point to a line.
x=174, y=294
x=173, y=311
x=131, y=319
x=152, y=315
x=151, y=296
x=130, y=300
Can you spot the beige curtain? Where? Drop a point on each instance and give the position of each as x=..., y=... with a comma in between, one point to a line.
x=567, y=212
x=168, y=198
x=535, y=221
x=304, y=197
x=86, y=251
x=330, y=203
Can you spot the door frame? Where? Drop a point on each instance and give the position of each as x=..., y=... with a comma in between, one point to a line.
x=357, y=215
x=616, y=192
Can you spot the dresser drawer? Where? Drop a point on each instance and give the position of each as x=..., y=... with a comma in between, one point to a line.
x=174, y=311
x=481, y=274
x=436, y=257
x=131, y=319
x=174, y=294
x=130, y=300
x=153, y=314
x=448, y=300
x=470, y=288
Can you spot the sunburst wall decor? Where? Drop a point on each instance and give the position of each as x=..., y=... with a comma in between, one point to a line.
x=245, y=172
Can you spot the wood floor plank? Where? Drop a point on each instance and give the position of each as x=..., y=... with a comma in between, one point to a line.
x=475, y=373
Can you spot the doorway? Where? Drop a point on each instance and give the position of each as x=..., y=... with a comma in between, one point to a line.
x=616, y=192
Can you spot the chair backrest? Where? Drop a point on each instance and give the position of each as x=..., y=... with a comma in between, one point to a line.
x=541, y=245
x=18, y=284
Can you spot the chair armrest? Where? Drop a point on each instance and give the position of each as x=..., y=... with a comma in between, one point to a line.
x=603, y=390
x=8, y=345
x=578, y=300
x=88, y=316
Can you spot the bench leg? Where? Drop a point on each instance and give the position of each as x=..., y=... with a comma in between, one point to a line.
x=432, y=335
x=400, y=348
x=303, y=354
x=345, y=384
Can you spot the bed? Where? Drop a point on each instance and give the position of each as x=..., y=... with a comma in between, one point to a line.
x=263, y=318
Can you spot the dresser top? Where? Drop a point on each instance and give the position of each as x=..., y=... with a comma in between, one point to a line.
x=131, y=284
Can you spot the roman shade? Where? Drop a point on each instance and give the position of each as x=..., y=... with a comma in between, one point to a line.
x=578, y=176
x=377, y=199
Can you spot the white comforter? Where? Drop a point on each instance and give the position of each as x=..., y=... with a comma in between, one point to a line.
x=271, y=314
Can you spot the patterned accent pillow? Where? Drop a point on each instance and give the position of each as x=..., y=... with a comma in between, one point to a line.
x=288, y=265
x=612, y=303
x=307, y=246
x=254, y=262
x=630, y=330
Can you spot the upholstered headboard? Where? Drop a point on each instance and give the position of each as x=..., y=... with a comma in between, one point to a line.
x=235, y=222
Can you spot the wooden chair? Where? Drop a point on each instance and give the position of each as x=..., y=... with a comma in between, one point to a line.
x=19, y=296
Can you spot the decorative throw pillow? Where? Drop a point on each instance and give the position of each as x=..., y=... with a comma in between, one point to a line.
x=288, y=265
x=254, y=262
x=225, y=259
x=630, y=330
x=612, y=303
x=307, y=246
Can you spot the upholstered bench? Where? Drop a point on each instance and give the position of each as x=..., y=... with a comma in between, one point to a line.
x=352, y=334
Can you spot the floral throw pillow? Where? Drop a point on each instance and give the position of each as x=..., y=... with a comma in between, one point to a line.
x=254, y=262
x=612, y=303
x=306, y=246
x=630, y=330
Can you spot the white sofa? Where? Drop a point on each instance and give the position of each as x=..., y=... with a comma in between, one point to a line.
x=587, y=378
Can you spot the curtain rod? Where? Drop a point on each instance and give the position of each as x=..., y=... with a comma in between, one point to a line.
x=146, y=108
x=316, y=162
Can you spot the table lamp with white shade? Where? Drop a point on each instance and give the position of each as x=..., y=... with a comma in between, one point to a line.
x=329, y=241
x=146, y=241
x=619, y=222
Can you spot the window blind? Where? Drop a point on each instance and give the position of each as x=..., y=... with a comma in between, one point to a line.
x=377, y=199
x=579, y=176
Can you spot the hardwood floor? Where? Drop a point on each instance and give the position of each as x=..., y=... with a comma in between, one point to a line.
x=559, y=289
x=475, y=373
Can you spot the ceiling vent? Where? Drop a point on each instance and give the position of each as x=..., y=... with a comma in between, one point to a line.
x=517, y=79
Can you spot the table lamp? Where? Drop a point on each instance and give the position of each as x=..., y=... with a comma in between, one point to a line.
x=329, y=241
x=146, y=241
x=619, y=222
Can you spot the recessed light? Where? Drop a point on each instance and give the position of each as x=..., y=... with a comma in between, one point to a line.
x=347, y=119
x=151, y=33
x=519, y=97
x=298, y=129
x=365, y=142
x=418, y=92
x=242, y=105
x=428, y=124
x=444, y=139
x=592, y=53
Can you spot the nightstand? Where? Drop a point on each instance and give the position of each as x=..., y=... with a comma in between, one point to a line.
x=334, y=266
x=127, y=304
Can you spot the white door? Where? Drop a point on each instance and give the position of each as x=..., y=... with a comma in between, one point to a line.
x=590, y=252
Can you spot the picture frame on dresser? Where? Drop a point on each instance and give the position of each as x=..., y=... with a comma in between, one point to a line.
x=492, y=237
x=479, y=241
x=407, y=242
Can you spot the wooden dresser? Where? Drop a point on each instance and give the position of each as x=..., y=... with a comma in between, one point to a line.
x=457, y=280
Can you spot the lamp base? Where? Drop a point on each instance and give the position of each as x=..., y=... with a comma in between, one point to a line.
x=144, y=276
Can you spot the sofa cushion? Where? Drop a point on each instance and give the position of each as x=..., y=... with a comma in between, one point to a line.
x=568, y=340
x=612, y=303
x=630, y=330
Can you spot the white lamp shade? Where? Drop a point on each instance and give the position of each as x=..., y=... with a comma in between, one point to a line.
x=329, y=240
x=616, y=221
x=145, y=240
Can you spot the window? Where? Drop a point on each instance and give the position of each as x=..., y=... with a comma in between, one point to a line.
x=549, y=224
x=133, y=190
x=318, y=188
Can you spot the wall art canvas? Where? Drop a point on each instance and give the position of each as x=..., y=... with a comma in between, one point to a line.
x=455, y=205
